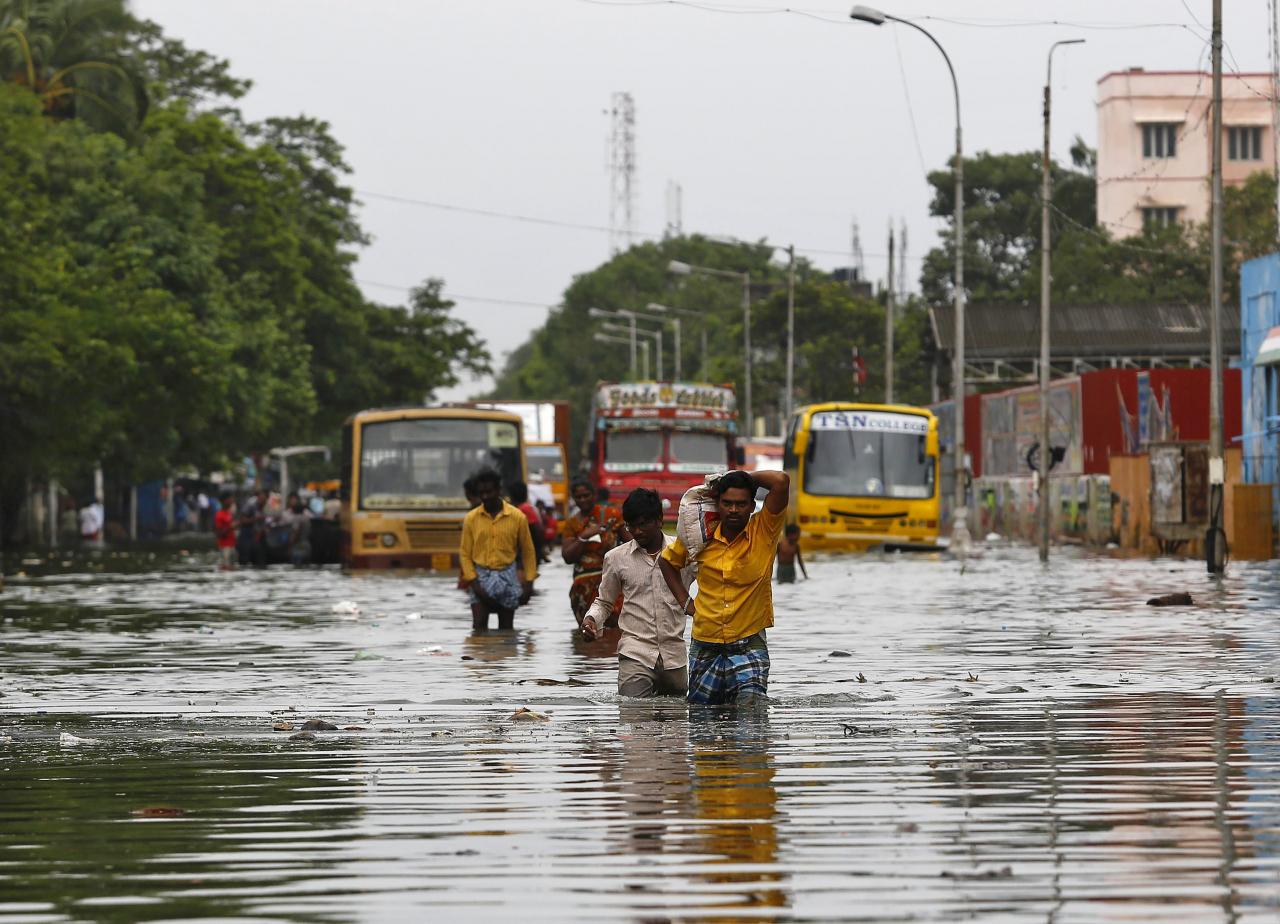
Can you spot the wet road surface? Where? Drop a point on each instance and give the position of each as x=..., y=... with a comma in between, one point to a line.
x=1007, y=743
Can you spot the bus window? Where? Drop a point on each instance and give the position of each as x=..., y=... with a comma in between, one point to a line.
x=633, y=451
x=698, y=453
x=545, y=463
x=422, y=463
x=856, y=463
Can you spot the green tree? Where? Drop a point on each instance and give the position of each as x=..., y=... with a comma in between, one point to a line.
x=74, y=55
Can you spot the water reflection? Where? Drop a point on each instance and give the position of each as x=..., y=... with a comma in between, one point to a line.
x=1016, y=749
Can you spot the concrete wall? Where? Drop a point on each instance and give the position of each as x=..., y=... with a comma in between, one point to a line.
x=1260, y=385
x=1127, y=181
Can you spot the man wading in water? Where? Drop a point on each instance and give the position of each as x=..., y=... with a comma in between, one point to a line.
x=728, y=656
x=494, y=534
x=651, y=655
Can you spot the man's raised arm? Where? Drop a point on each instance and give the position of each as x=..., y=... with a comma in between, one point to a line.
x=778, y=485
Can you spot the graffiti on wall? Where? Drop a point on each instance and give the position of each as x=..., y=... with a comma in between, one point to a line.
x=1011, y=427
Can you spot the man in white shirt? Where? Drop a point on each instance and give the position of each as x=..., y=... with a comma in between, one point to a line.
x=91, y=521
x=652, y=660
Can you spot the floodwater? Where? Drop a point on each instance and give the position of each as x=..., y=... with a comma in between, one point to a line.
x=1006, y=743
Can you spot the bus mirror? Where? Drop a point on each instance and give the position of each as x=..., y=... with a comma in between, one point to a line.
x=800, y=444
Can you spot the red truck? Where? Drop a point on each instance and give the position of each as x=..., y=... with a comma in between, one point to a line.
x=660, y=435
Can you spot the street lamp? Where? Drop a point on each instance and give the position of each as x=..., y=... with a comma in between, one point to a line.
x=702, y=363
x=601, y=313
x=1046, y=193
x=681, y=268
x=675, y=324
x=644, y=344
x=644, y=347
x=960, y=515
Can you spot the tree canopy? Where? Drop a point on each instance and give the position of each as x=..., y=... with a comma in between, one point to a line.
x=177, y=288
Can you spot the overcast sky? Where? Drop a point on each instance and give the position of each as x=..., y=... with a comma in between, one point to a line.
x=781, y=125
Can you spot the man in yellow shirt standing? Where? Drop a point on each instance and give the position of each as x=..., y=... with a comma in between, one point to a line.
x=728, y=654
x=494, y=535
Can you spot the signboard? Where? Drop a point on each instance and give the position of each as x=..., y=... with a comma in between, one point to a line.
x=666, y=399
x=870, y=422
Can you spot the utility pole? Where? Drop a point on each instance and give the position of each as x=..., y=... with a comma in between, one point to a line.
x=791, y=334
x=749, y=416
x=888, y=326
x=1046, y=197
x=1216, y=540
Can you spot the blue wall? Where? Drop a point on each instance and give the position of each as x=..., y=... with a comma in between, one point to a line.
x=1259, y=312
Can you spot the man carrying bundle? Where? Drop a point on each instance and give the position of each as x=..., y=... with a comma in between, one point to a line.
x=728, y=654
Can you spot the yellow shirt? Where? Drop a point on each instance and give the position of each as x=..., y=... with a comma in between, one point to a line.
x=735, y=590
x=494, y=542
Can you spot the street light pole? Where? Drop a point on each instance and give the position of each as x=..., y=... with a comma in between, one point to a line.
x=1046, y=197
x=960, y=513
x=1216, y=540
x=791, y=335
x=888, y=326
x=684, y=269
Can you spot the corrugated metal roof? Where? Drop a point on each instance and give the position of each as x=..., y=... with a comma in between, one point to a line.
x=1012, y=332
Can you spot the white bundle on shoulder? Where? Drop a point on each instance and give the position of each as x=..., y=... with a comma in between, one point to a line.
x=697, y=515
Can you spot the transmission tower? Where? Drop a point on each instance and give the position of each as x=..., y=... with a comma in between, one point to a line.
x=622, y=171
x=859, y=268
x=902, y=257
x=675, y=210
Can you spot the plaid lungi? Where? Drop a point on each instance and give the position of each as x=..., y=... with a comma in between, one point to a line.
x=734, y=673
x=502, y=584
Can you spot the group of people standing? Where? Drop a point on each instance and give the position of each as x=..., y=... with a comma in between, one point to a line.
x=628, y=574
x=258, y=528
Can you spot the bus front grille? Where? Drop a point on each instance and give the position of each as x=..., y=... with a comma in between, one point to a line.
x=426, y=534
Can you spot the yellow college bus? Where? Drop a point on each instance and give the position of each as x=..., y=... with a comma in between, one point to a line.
x=403, y=469
x=863, y=475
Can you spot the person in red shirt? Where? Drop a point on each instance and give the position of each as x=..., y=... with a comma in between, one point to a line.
x=519, y=497
x=225, y=531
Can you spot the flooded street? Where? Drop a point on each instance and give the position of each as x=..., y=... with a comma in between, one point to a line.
x=1006, y=743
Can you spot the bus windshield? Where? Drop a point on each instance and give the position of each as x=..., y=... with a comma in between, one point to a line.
x=421, y=464
x=868, y=455
x=633, y=451
x=698, y=453
x=545, y=463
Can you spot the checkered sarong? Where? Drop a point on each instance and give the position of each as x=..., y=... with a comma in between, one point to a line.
x=724, y=674
x=501, y=584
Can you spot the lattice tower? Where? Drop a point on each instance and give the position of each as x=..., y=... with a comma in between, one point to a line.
x=622, y=171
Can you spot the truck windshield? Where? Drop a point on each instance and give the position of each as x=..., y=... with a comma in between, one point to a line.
x=851, y=462
x=421, y=464
x=698, y=453
x=633, y=451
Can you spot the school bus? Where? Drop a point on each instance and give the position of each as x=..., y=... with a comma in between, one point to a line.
x=547, y=465
x=863, y=475
x=403, y=469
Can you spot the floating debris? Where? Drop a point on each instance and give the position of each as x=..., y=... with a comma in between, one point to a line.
x=363, y=655
x=1181, y=598
x=525, y=714
x=318, y=725
x=861, y=677
x=282, y=726
x=412, y=617
x=159, y=811
x=346, y=608
x=552, y=682
x=840, y=653
x=972, y=678
x=1012, y=688
x=354, y=728
x=303, y=736
x=68, y=740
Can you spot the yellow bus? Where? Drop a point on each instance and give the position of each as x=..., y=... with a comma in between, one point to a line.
x=403, y=469
x=863, y=475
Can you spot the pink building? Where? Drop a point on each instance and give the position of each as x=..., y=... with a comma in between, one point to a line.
x=1154, y=149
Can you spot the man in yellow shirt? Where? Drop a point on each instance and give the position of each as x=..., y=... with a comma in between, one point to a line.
x=494, y=534
x=728, y=654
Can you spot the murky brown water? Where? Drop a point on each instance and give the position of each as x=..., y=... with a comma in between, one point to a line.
x=1027, y=745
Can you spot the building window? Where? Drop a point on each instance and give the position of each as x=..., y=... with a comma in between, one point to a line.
x=1160, y=216
x=1244, y=143
x=1159, y=139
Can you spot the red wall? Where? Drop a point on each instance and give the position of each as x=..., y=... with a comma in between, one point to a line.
x=1103, y=432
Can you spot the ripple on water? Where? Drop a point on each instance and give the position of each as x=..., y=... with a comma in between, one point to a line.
x=1023, y=743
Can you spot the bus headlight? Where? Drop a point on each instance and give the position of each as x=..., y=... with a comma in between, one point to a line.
x=388, y=539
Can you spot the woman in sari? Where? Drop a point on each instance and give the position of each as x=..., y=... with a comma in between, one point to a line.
x=591, y=530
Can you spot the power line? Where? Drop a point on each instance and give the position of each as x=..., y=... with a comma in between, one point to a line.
x=456, y=296
x=552, y=222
